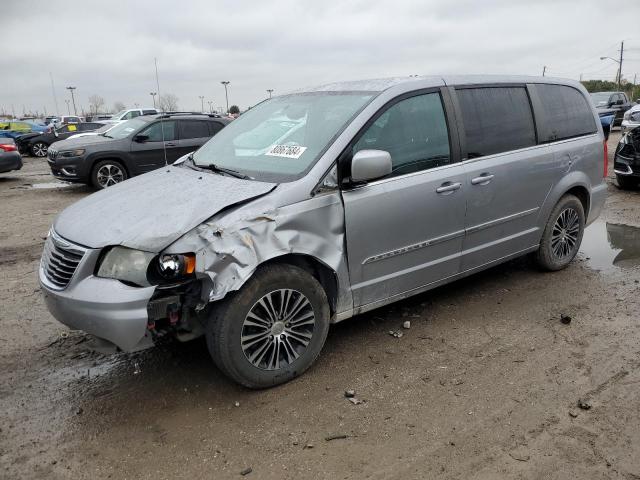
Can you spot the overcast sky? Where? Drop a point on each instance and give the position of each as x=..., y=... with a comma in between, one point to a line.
x=108, y=47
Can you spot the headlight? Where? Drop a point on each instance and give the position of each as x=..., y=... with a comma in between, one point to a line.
x=127, y=265
x=72, y=153
x=172, y=266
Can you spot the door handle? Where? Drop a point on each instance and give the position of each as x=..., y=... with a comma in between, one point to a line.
x=169, y=144
x=448, y=187
x=482, y=179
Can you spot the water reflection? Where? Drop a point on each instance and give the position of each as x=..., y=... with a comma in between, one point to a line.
x=611, y=245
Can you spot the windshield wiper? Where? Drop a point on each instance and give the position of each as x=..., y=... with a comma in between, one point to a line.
x=215, y=168
x=105, y=135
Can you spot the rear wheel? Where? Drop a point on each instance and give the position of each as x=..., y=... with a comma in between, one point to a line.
x=271, y=330
x=39, y=149
x=562, y=234
x=626, y=182
x=107, y=173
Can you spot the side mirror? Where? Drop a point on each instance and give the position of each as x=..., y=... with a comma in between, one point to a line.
x=370, y=164
x=141, y=138
x=619, y=102
x=55, y=132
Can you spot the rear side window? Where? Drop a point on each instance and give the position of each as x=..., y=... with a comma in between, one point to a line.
x=414, y=131
x=496, y=120
x=567, y=113
x=214, y=127
x=149, y=112
x=193, y=129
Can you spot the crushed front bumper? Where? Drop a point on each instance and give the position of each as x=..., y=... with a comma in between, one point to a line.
x=103, y=307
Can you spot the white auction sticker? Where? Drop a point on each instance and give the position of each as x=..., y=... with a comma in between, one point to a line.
x=287, y=151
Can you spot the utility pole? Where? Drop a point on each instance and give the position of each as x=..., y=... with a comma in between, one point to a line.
x=201, y=97
x=633, y=91
x=73, y=99
x=581, y=77
x=226, y=94
x=270, y=91
x=153, y=95
x=68, y=102
x=620, y=66
x=544, y=70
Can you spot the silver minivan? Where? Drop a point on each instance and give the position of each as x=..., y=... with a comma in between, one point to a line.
x=318, y=205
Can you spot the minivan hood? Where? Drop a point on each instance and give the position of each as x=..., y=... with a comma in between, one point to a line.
x=151, y=211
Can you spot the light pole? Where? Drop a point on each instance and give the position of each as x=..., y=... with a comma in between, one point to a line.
x=210, y=106
x=68, y=108
x=270, y=91
x=619, y=62
x=226, y=94
x=153, y=95
x=201, y=97
x=71, y=89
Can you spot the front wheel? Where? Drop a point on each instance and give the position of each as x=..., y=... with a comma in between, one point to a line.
x=271, y=330
x=562, y=234
x=39, y=149
x=107, y=173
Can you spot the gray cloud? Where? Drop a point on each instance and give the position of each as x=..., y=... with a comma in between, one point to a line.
x=108, y=48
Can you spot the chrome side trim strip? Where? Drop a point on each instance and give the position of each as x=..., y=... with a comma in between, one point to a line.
x=498, y=221
x=415, y=246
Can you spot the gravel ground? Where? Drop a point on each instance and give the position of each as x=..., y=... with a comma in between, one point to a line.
x=484, y=385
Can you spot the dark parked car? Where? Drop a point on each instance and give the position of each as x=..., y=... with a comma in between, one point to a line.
x=133, y=147
x=37, y=144
x=617, y=101
x=10, y=158
x=626, y=163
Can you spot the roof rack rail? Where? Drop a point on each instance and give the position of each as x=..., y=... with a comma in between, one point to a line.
x=170, y=114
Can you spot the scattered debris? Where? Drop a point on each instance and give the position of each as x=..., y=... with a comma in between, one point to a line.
x=584, y=405
x=406, y=325
x=79, y=411
x=393, y=333
x=350, y=393
x=136, y=368
x=573, y=414
x=340, y=436
x=565, y=319
x=521, y=457
x=236, y=404
x=308, y=446
x=355, y=401
x=246, y=471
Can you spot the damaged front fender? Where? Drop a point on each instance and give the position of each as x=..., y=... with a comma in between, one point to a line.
x=230, y=246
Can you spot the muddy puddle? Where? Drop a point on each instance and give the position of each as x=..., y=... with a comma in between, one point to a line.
x=611, y=246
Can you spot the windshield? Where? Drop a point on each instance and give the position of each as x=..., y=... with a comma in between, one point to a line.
x=281, y=138
x=600, y=98
x=125, y=129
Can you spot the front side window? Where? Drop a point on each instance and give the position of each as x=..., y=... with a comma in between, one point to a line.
x=566, y=112
x=496, y=120
x=160, y=131
x=413, y=131
x=281, y=138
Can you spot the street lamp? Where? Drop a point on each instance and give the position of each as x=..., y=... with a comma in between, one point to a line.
x=210, y=106
x=153, y=95
x=226, y=94
x=71, y=89
x=270, y=91
x=68, y=102
x=201, y=97
x=619, y=74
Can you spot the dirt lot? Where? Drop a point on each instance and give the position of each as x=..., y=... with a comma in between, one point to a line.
x=485, y=384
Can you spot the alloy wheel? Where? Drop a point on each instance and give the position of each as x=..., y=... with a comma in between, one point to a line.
x=564, y=238
x=278, y=329
x=40, y=150
x=109, y=174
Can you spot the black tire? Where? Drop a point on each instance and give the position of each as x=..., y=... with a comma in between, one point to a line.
x=559, y=246
x=226, y=328
x=39, y=149
x=626, y=183
x=108, y=172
